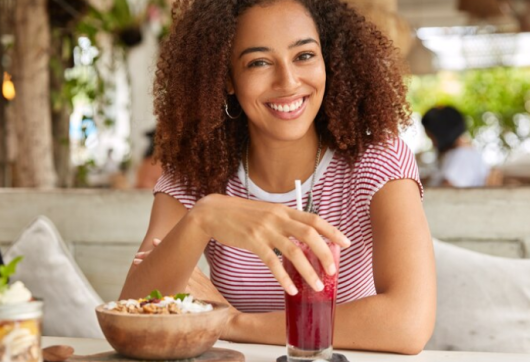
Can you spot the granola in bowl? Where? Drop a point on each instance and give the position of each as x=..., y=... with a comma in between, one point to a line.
x=162, y=327
x=155, y=303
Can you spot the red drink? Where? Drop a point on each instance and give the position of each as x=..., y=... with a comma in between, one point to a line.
x=310, y=314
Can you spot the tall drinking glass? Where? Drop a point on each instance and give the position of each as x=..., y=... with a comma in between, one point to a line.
x=309, y=314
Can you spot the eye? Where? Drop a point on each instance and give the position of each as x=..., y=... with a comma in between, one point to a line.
x=305, y=56
x=257, y=63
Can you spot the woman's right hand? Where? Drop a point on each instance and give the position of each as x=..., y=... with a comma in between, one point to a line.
x=260, y=227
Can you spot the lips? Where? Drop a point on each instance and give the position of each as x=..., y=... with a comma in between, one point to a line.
x=288, y=109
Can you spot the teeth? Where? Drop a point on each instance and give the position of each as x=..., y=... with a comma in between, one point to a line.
x=287, y=107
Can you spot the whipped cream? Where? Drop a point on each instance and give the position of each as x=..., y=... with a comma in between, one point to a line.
x=15, y=293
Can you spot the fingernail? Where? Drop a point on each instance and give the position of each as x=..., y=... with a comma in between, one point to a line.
x=346, y=242
x=156, y=241
x=332, y=269
x=137, y=261
x=319, y=286
x=292, y=290
x=140, y=253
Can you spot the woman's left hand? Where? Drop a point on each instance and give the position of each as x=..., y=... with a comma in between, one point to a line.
x=140, y=256
x=201, y=287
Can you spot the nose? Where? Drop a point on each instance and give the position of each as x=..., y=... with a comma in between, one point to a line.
x=286, y=77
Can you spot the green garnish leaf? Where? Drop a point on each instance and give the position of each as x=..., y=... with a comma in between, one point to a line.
x=155, y=294
x=7, y=270
x=11, y=268
x=181, y=296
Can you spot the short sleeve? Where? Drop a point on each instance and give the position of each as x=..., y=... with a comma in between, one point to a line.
x=381, y=163
x=166, y=184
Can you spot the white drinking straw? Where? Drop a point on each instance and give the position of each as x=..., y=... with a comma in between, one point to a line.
x=298, y=187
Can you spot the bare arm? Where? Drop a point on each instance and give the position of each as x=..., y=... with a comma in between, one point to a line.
x=173, y=261
x=400, y=318
x=252, y=225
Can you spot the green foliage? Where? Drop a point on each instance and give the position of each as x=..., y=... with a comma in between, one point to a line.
x=155, y=294
x=118, y=17
x=83, y=83
x=122, y=25
x=82, y=171
x=115, y=20
x=501, y=92
x=7, y=270
x=89, y=82
x=181, y=296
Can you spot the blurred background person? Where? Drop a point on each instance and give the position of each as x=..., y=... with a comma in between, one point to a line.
x=459, y=163
x=149, y=170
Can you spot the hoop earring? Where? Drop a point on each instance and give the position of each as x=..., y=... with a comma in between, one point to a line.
x=228, y=113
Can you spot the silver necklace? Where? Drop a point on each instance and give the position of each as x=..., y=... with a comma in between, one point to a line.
x=310, y=206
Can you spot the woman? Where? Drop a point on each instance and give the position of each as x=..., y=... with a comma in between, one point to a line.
x=251, y=95
x=459, y=163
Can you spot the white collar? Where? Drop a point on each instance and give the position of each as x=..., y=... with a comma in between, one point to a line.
x=291, y=195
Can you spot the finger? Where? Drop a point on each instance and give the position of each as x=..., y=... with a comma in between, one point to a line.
x=142, y=254
x=274, y=264
x=323, y=227
x=297, y=257
x=317, y=245
x=156, y=241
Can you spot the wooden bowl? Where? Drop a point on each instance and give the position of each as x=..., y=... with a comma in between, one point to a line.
x=162, y=336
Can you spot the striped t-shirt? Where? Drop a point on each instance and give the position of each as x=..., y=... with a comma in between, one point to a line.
x=342, y=195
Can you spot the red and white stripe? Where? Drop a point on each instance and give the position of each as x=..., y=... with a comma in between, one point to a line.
x=342, y=195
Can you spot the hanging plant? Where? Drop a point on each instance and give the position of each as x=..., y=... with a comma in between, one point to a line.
x=91, y=79
x=120, y=21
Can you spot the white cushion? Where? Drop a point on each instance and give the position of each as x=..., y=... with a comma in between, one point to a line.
x=483, y=302
x=50, y=273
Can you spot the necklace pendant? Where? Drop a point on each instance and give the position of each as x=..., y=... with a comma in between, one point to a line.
x=310, y=206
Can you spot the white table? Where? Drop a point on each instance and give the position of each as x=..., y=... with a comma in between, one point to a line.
x=264, y=353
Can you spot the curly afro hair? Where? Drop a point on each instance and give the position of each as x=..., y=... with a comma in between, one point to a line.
x=364, y=103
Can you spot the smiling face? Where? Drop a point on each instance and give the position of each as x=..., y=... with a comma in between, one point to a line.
x=277, y=70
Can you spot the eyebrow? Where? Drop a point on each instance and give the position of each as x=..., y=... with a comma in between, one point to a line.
x=303, y=42
x=265, y=49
